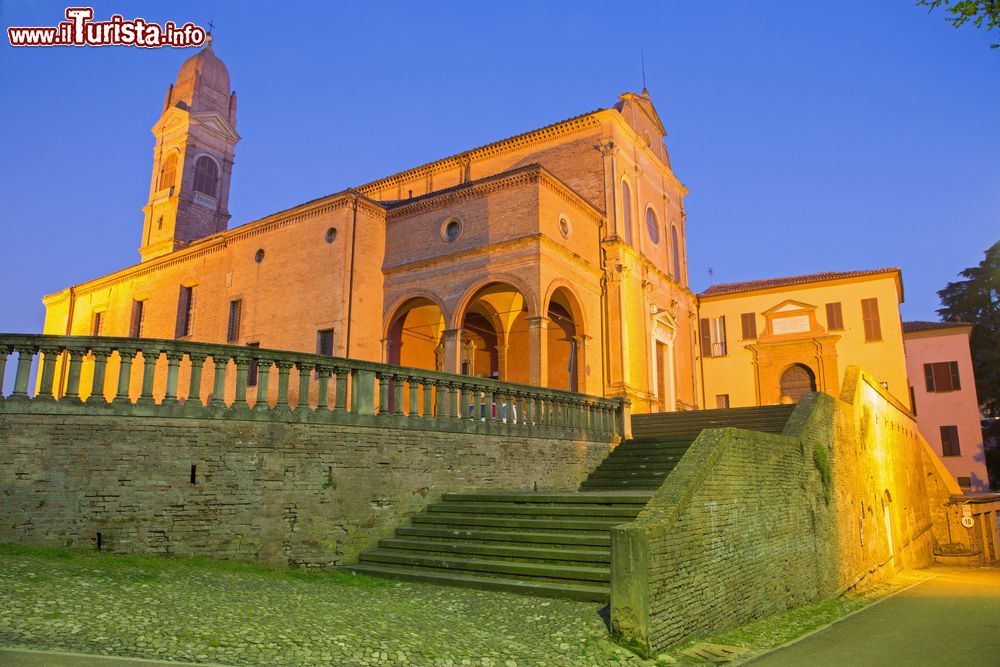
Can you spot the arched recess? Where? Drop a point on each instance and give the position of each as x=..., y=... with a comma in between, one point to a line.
x=565, y=339
x=626, y=191
x=414, y=335
x=494, y=341
x=796, y=381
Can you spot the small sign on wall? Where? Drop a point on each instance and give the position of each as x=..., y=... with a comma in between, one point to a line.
x=968, y=521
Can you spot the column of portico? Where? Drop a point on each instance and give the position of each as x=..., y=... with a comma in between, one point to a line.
x=452, y=341
x=538, y=351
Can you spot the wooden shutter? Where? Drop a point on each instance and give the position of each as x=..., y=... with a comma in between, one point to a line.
x=869, y=312
x=834, y=317
x=749, y=323
x=705, y=327
x=929, y=376
x=135, y=326
x=942, y=377
x=955, y=383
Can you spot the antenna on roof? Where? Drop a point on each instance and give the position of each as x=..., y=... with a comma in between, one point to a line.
x=642, y=55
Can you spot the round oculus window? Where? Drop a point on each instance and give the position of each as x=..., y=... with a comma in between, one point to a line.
x=331, y=234
x=259, y=257
x=564, y=228
x=451, y=230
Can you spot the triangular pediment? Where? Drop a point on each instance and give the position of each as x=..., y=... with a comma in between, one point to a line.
x=789, y=306
x=214, y=122
x=644, y=105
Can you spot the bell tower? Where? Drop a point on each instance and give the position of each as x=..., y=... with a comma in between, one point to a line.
x=193, y=158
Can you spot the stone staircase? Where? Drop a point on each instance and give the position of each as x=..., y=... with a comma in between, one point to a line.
x=659, y=440
x=551, y=544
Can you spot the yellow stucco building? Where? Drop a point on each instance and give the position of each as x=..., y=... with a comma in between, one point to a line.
x=770, y=341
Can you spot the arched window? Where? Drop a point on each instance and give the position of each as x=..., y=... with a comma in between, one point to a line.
x=168, y=172
x=652, y=226
x=627, y=212
x=676, y=249
x=205, y=176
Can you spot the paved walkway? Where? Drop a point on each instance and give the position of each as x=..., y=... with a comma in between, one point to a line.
x=953, y=619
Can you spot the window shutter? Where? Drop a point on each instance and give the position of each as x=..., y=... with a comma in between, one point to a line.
x=834, y=317
x=953, y=367
x=942, y=377
x=949, y=441
x=929, y=376
x=869, y=312
x=706, y=337
x=749, y=322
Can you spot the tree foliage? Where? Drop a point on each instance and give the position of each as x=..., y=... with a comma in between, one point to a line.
x=980, y=13
x=976, y=299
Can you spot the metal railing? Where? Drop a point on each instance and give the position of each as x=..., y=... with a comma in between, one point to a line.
x=170, y=378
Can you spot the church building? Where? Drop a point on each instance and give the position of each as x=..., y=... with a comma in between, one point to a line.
x=554, y=258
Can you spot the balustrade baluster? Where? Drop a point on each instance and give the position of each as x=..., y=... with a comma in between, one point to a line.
x=397, y=394
x=100, y=372
x=21, y=374
x=173, y=372
x=340, y=404
x=427, y=405
x=48, y=362
x=197, y=360
x=383, y=393
x=242, y=375
x=263, y=379
x=4, y=351
x=323, y=387
x=220, y=364
x=149, y=357
x=304, y=371
x=284, y=368
x=454, y=394
x=125, y=356
x=73, y=375
x=490, y=400
x=413, y=409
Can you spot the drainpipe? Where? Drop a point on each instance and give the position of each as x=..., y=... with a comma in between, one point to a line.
x=350, y=284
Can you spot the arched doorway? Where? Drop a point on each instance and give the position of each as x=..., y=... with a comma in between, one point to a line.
x=494, y=341
x=563, y=339
x=414, y=335
x=797, y=381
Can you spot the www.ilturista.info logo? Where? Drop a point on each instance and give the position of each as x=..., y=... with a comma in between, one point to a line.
x=80, y=30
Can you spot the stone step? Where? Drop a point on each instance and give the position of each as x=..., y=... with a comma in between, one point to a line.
x=500, y=522
x=549, y=510
x=586, y=539
x=485, y=565
x=546, y=552
x=602, y=484
x=562, y=498
x=587, y=592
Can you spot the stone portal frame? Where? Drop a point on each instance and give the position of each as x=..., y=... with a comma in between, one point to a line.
x=663, y=331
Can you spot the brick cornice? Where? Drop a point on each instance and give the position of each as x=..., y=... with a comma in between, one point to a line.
x=504, y=146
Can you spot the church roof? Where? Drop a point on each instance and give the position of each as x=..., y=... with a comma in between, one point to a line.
x=771, y=283
x=203, y=81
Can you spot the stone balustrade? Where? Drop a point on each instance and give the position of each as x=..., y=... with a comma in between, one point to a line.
x=171, y=378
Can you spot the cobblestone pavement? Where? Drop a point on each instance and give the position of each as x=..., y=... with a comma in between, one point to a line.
x=232, y=614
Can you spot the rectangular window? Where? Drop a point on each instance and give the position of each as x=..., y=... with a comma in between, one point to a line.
x=834, y=317
x=713, y=336
x=749, y=322
x=869, y=313
x=722, y=400
x=185, y=312
x=252, y=372
x=324, y=342
x=235, y=311
x=913, y=401
x=965, y=482
x=98, y=324
x=949, y=441
x=942, y=376
x=136, y=324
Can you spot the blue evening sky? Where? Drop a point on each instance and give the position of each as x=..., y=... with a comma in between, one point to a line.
x=813, y=136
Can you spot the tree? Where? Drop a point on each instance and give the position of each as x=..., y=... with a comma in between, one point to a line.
x=977, y=12
x=976, y=300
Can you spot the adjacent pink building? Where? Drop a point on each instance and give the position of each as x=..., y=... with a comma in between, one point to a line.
x=943, y=396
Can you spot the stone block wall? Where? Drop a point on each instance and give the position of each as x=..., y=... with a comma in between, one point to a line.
x=749, y=524
x=308, y=495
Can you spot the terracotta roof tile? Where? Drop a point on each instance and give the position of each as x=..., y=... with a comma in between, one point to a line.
x=769, y=283
x=910, y=327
